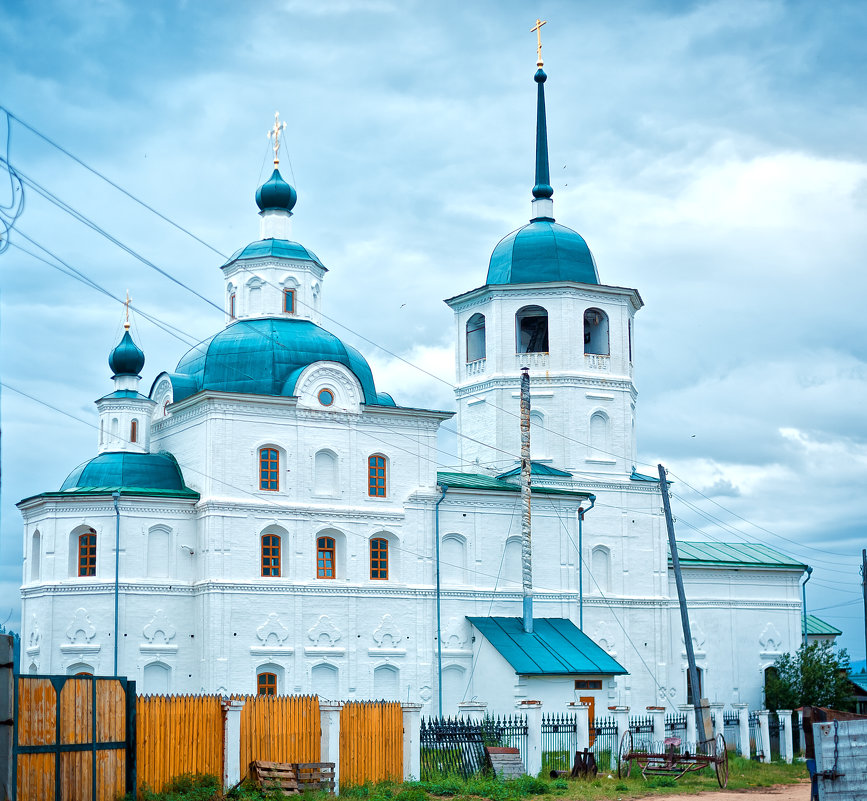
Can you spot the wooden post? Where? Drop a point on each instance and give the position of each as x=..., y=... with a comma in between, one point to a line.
x=7, y=706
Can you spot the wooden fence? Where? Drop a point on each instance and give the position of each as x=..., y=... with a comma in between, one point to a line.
x=371, y=742
x=280, y=728
x=178, y=734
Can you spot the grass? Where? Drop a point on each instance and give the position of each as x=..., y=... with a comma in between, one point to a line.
x=742, y=774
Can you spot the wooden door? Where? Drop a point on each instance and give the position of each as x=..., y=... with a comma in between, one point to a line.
x=591, y=715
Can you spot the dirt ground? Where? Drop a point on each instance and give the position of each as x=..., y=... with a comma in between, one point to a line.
x=783, y=792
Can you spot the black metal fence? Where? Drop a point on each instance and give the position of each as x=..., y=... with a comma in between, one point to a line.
x=757, y=750
x=451, y=747
x=675, y=724
x=732, y=730
x=603, y=740
x=642, y=732
x=559, y=741
x=509, y=731
x=774, y=735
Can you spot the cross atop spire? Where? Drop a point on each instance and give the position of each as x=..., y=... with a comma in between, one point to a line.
x=126, y=312
x=537, y=29
x=274, y=133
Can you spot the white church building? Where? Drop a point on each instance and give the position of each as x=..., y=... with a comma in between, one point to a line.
x=283, y=526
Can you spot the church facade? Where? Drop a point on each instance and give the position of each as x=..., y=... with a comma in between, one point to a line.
x=265, y=519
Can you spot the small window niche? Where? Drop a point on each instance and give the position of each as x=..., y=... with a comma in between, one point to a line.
x=596, y=340
x=476, y=338
x=531, y=327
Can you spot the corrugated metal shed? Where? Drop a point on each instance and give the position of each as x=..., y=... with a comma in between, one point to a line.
x=557, y=647
x=481, y=482
x=733, y=554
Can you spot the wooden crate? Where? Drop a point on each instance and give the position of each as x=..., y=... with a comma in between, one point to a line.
x=315, y=776
x=275, y=776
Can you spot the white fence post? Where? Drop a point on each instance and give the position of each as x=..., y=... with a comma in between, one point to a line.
x=582, y=725
x=786, y=749
x=690, y=738
x=533, y=711
x=329, y=719
x=232, y=742
x=743, y=728
x=766, y=735
x=716, y=710
x=621, y=717
x=657, y=714
x=472, y=710
x=411, y=742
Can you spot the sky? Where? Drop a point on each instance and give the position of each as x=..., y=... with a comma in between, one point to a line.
x=712, y=154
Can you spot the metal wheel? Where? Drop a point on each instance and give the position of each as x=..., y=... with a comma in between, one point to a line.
x=721, y=762
x=624, y=756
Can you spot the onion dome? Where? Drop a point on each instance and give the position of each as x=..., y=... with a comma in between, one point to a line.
x=148, y=471
x=127, y=358
x=275, y=194
x=266, y=357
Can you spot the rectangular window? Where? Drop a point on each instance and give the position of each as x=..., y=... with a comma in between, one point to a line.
x=271, y=555
x=289, y=301
x=266, y=684
x=133, y=431
x=588, y=684
x=379, y=558
x=325, y=558
x=269, y=469
x=87, y=555
x=376, y=476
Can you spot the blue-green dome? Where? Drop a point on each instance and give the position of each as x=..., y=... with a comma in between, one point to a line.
x=542, y=251
x=151, y=471
x=276, y=194
x=278, y=248
x=126, y=358
x=265, y=357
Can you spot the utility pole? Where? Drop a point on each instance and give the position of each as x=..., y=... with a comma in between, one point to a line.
x=864, y=589
x=684, y=616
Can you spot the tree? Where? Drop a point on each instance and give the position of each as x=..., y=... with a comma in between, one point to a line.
x=814, y=676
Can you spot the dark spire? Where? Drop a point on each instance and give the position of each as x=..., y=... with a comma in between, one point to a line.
x=543, y=188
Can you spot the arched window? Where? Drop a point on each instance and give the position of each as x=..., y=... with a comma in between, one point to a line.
x=600, y=568
x=453, y=559
x=101, y=431
x=114, y=427
x=156, y=678
x=232, y=305
x=599, y=434
x=289, y=301
x=269, y=469
x=325, y=558
x=324, y=473
x=386, y=682
x=133, y=431
x=158, y=552
x=700, y=673
x=270, y=554
x=379, y=558
x=376, y=475
x=87, y=553
x=476, y=338
x=538, y=440
x=266, y=683
x=325, y=679
x=531, y=328
x=454, y=686
x=630, y=340
x=596, y=332
x=35, y=556
x=79, y=669
x=511, y=573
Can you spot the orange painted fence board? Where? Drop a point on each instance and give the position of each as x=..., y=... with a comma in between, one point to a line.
x=279, y=728
x=371, y=742
x=178, y=734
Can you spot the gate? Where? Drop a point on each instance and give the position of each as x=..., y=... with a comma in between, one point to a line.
x=73, y=738
x=371, y=742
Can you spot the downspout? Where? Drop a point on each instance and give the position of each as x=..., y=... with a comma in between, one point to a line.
x=581, y=512
x=115, y=496
x=804, y=603
x=445, y=489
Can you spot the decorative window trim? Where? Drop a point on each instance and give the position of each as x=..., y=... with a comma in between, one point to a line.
x=377, y=476
x=330, y=397
x=266, y=683
x=288, y=301
x=133, y=431
x=269, y=469
x=326, y=558
x=87, y=553
x=379, y=559
x=270, y=551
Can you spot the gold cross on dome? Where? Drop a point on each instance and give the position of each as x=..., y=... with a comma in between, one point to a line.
x=537, y=29
x=274, y=134
x=126, y=305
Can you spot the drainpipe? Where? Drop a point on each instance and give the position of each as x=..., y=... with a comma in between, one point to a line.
x=526, y=471
x=115, y=496
x=445, y=489
x=804, y=603
x=581, y=512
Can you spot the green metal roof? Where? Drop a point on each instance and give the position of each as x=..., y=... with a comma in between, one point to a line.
x=537, y=469
x=556, y=647
x=127, y=358
x=636, y=476
x=79, y=492
x=276, y=194
x=489, y=483
x=859, y=680
x=542, y=250
x=281, y=248
x=149, y=471
x=266, y=357
x=816, y=625
x=732, y=554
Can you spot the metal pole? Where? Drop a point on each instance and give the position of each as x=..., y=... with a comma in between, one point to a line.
x=581, y=512
x=115, y=496
x=681, y=598
x=439, y=620
x=804, y=603
x=526, y=470
x=864, y=589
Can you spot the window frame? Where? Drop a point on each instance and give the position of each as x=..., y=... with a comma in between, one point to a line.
x=263, y=470
x=330, y=392
x=377, y=481
x=473, y=328
x=86, y=554
x=323, y=548
x=266, y=683
x=288, y=295
x=133, y=430
x=526, y=313
x=270, y=548
x=232, y=306
x=378, y=551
